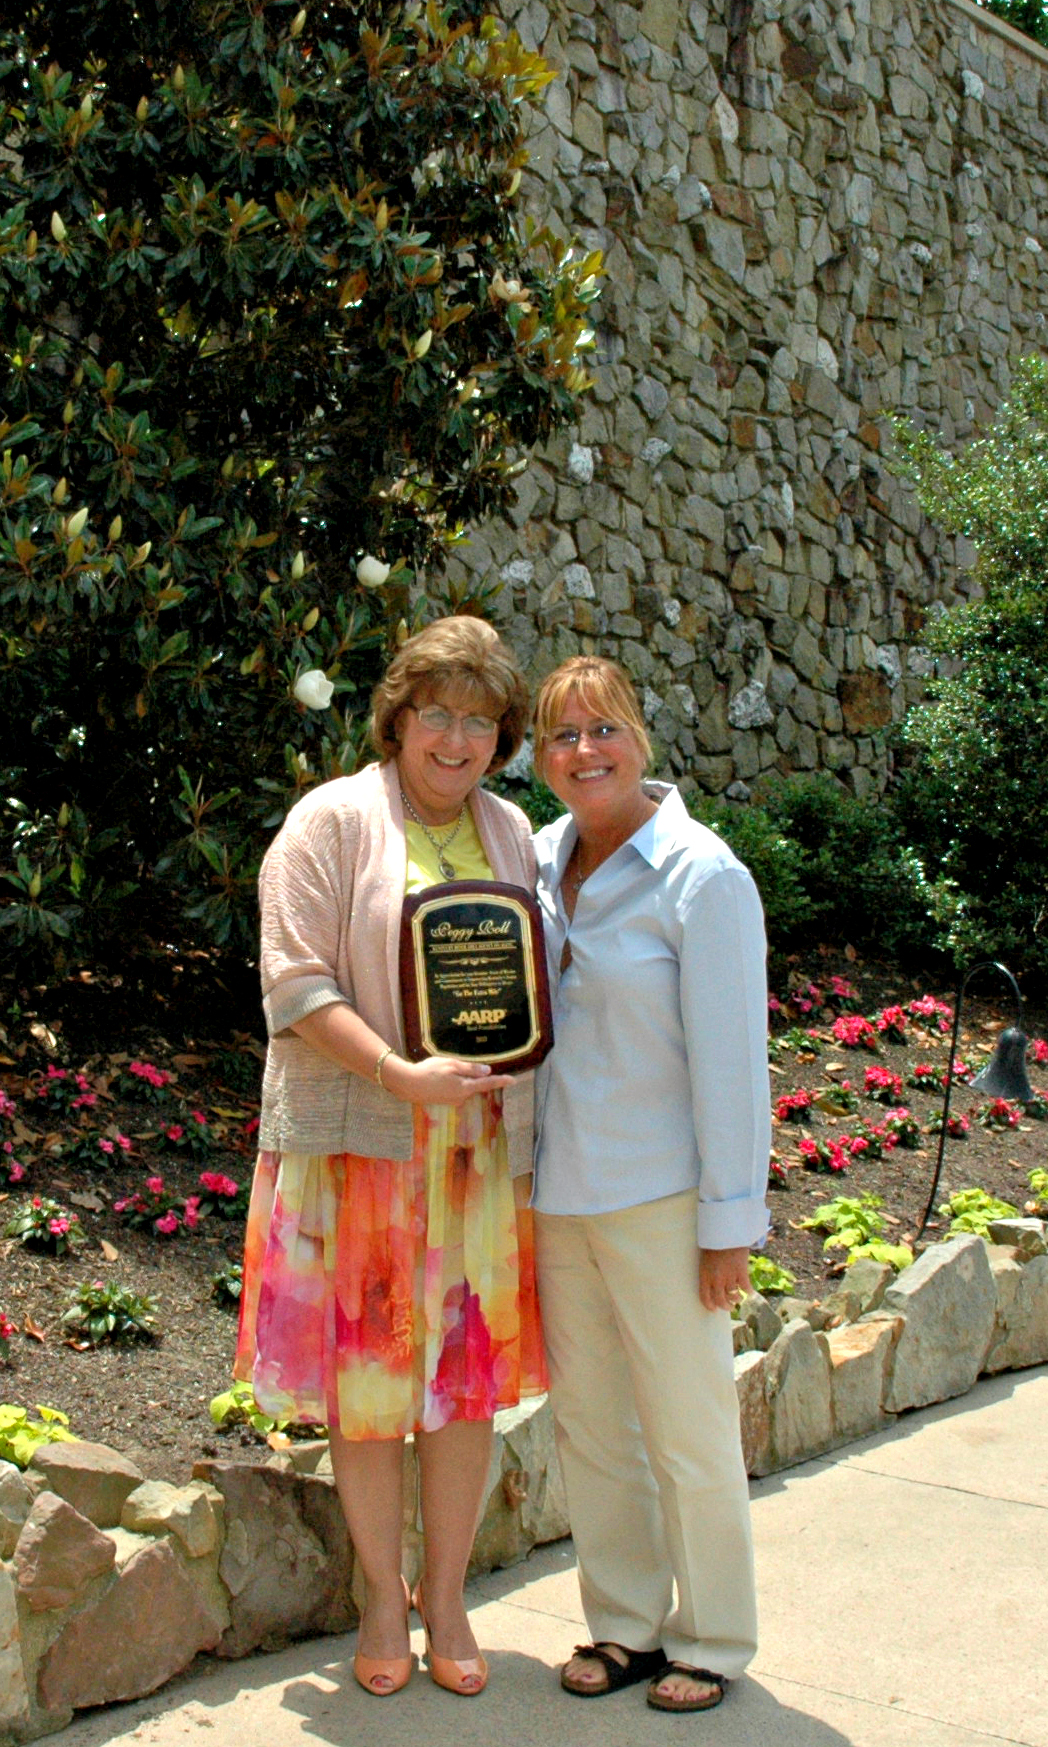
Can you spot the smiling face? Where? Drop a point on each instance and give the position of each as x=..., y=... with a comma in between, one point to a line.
x=599, y=777
x=439, y=767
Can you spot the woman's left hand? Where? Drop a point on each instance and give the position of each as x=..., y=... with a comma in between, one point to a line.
x=724, y=1277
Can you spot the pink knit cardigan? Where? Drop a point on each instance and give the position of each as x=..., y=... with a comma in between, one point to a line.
x=331, y=889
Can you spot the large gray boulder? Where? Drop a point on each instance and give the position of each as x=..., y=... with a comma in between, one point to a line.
x=947, y=1298
x=797, y=1382
x=1020, y=1329
x=286, y=1561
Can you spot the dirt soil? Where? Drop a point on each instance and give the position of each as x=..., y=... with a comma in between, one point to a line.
x=150, y=1400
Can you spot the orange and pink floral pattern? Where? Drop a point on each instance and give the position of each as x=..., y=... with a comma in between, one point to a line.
x=385, y=1297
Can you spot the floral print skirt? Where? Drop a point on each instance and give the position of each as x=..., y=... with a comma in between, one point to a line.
x=385, y=1297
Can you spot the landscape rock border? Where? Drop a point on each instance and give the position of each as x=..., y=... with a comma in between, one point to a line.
x=111, y=1584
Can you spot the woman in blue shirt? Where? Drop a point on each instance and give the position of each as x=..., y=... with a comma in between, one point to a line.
x=653, y=1139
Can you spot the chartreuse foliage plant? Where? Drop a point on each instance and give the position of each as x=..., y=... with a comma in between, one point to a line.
x=767, y=1276
x=974, y=1210
x=237, y=1406
x=856, y=1224
x=972, y=805
x=273, y=334
x=21, y=1435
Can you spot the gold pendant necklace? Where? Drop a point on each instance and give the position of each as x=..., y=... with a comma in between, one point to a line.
x=440, y=845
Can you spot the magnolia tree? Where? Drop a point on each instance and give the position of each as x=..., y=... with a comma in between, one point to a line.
x=272, y=335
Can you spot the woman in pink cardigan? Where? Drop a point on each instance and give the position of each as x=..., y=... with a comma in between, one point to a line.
x=389, y=1271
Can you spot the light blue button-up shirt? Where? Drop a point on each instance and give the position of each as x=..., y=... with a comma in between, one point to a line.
x=658, y=1079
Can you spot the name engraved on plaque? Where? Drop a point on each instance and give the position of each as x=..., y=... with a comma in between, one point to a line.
x=473, y=974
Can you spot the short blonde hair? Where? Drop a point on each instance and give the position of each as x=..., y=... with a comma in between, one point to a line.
x=455, y=657
x=601, y=686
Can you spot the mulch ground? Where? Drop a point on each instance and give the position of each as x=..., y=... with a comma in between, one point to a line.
x=151, y=1399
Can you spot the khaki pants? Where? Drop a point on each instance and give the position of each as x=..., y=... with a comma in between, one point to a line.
x=647, y=1423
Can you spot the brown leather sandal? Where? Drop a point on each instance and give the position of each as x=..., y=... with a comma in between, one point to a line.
x=659, y=1702
x=639, y=1665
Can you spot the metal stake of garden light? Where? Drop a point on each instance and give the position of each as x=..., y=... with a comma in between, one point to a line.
x=1004, y=1075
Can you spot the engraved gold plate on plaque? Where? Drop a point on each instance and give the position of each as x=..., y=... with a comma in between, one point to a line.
x=473, y=974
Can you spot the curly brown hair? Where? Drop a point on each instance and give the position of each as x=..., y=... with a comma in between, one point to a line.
x=460, y=659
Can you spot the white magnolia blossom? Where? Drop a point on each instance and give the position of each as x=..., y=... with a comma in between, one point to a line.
x=371, y=572
x=314, y=689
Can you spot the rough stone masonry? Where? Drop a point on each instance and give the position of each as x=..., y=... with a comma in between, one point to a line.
x=812, y=212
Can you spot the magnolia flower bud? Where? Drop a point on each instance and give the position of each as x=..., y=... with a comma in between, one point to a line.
x=142, y=552
x=87, y=107
x=178, y=77
x=227, y=467
x=371, y=572
x=30, y=245
x=298, y=23
x=423, y=343
x=142, y=111
x=513, y=184
x=382, y=216
x=116, y=528
x=75, y=523
x=58, y=229
x=402, y=633
x=314, y=689
x=68, y=413
x=61, y=491
x=311, y=618
x=298, y=567
x=509, y=290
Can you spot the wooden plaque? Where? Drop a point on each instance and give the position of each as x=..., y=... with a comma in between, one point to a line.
x=473, y=975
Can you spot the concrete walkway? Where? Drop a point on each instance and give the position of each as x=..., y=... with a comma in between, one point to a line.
x=904, y=1603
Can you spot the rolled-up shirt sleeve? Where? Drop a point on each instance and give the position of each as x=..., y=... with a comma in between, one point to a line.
x=724, y=1006
x=302, y=915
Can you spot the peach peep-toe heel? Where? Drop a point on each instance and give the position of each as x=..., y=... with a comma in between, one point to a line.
x=467, y=1679
x=382, y=1676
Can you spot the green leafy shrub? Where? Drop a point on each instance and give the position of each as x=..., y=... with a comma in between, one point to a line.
x=21, y=1435
x=773, y=858
x=272, y=335
x=227, y=1284
x=1029, y=16
x=972, y=802
x=103, y=1311
x=860, y=883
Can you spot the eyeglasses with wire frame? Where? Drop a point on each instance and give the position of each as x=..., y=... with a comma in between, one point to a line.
x=439, y=721
x=599, y=734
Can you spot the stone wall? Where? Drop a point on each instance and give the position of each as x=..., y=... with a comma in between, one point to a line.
x=811, y=210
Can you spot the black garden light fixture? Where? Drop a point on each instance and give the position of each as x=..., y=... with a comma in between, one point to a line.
x=1004, y=1075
